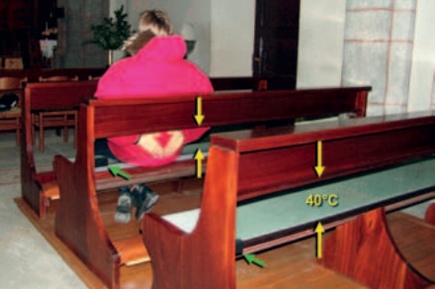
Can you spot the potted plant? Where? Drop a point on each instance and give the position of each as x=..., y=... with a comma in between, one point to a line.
x=111, y=34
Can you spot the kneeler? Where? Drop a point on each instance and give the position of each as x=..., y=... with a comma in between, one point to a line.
x=363, y=250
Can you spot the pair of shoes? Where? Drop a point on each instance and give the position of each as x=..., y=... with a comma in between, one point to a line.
x=123, y=209
x=144, y=199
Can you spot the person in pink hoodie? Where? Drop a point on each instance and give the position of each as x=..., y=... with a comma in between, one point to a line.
x=158, y=70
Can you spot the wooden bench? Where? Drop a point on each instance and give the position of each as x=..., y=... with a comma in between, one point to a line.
x=10, y=120
x=78, y=220
x=257, y=186
x=40, y=190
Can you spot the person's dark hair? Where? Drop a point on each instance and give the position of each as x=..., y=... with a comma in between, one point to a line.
x=8, y=101
x=157, y=21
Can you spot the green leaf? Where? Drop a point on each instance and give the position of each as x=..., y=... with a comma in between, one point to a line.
x=111, y=34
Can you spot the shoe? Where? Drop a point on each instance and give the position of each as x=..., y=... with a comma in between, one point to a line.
x=101, y=161
x=123, y=209
x=150, y=200
x=138, y=193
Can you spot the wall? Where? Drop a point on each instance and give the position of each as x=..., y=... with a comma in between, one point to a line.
x=226, y=36
x=422, y=79
x=232, y=37
x=389, y=45
x=74, y=31
x=321, y=35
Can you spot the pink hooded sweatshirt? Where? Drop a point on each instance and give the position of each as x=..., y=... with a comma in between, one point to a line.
x=158, y=70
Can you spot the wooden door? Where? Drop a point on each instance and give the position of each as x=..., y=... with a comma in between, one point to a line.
x=276, y=41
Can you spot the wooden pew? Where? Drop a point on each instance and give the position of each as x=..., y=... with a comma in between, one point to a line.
x=78, y=220
x=40, y=190
x=265, y=179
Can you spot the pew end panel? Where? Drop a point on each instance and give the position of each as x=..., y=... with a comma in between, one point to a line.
x=274, y=173
x=86, y=238
x=214, y=228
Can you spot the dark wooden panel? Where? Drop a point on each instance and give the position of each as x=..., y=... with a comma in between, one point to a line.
x=292, y=166
x=57, y=95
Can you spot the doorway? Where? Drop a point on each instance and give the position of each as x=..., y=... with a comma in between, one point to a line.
x=276, y=42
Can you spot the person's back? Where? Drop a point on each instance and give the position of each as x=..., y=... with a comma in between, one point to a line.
x=156, y=70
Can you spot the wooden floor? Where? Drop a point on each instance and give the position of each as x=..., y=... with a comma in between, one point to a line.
x=290, y=266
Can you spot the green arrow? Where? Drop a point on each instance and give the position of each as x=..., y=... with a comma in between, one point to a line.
x=116, y=171
x=250, y=258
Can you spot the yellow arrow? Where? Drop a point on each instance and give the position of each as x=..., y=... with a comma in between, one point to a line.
x=199, y=157
x=319, y=168
x=319, y=230
x=199, y=117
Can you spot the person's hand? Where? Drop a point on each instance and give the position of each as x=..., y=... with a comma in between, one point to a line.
x=174, y=144
x=149, y=143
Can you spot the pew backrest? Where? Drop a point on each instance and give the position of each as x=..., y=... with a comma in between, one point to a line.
x=122, y=116
x=348, y=146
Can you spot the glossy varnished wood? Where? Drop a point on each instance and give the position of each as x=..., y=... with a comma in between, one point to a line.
x=349, y=146
x=78, y=220
x=414, y=238
x=222, y=109
x=297, y=258
x=246, y=170
x=290, y=266
x=350, y=251
x=430, y=214
x=56, y=95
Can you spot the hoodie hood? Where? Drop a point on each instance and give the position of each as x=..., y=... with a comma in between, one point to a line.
x=166, y=47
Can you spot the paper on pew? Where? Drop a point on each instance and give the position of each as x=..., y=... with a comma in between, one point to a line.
x=185, y=221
